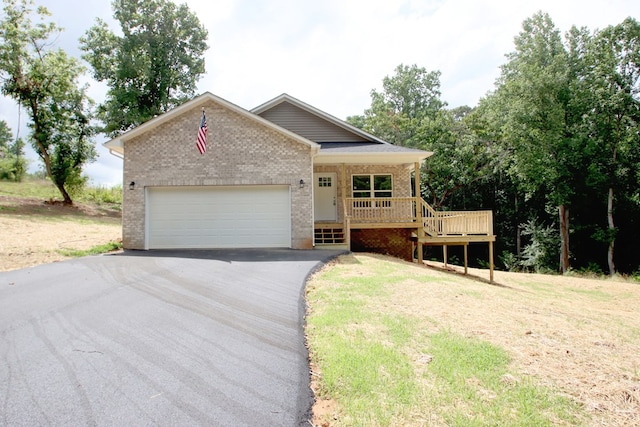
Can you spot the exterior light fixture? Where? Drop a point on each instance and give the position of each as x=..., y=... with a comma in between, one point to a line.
x=302, y=183
x=132, y=185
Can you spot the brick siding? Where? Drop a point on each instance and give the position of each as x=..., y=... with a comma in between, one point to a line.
x=240, y=151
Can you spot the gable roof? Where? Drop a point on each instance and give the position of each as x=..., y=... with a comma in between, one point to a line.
x=355, y=147
x=342, y=142
x=285, y=98
x=116, y=145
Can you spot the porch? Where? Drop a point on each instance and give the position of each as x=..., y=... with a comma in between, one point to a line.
x=428, y=226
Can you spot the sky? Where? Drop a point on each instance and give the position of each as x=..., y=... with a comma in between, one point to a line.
x=332, y=53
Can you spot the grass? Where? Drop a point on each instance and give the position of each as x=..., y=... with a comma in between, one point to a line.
x=360, y=356
x=32, y=188
x=45, y=190
x=472, y=379
x=384, y=366
x=102, y=195
x=95, y=250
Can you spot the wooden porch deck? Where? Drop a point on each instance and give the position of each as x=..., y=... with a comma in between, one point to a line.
x=431, y=227
x=401, y=212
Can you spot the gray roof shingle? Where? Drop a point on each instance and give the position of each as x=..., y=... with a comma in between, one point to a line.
x=364, y=147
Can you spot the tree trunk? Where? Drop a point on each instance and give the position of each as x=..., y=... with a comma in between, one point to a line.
x=518, y=232
x=612, y=239
x=67, y=199
x=563, y=212
x=611, y=235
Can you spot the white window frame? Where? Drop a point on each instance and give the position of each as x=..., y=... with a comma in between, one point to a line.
x=372, y=191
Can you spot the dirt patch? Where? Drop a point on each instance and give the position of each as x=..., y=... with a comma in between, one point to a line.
x=577, y=335
x=33, y=230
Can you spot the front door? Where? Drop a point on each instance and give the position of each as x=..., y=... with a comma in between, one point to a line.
x=324, y=196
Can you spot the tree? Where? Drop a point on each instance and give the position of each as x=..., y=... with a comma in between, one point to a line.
x=152, y=67
x=13, y=165
x=398, y=112
x=44, y=81
x=611, y=82
x=535, y=91
x=410, y=113
x=5, y=138
x=12, y=162
x=460, y=160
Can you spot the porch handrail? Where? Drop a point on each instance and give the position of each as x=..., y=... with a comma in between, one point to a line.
x=465, y=223
x=403, y=210
x=380, y=209
x=430, y=219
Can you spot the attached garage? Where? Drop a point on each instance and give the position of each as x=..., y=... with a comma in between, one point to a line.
x=218, y=217
x=247, y=190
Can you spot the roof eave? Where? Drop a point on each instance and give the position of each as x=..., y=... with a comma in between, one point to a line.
x=117, y=144
x=370, y=158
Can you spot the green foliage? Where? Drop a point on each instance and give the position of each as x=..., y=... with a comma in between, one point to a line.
x=149, y=69
x=510, y=261
x=610, y=81
x=557, y=135
x=45, y=82
x=565, y=114
x=13, y=165
x=410, y=113
x=399, y=114
x=591, y=269
x=76, y=183
x=460, y=160
x=13, y=168
x=103, y=195
x=540, y=254
x=535, y=89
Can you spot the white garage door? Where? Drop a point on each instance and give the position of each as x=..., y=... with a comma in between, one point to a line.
x=218, y=217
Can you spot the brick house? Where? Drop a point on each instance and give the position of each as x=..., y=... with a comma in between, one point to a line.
x=284, y=174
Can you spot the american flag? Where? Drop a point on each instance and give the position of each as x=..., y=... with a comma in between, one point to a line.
x=201, y=142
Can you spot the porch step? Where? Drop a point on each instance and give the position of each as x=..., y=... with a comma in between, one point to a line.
x=329, y=236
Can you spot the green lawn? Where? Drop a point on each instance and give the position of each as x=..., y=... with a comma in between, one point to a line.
x=387, y=357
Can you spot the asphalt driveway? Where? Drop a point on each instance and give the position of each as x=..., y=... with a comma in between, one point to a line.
x=157, y=338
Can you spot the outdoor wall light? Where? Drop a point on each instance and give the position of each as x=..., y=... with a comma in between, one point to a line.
x=132, y=185
x=302, y=183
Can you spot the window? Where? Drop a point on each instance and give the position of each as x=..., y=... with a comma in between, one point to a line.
x=324, y=181
x=371, y=186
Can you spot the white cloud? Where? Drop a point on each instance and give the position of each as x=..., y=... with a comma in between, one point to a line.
x=331, y=53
